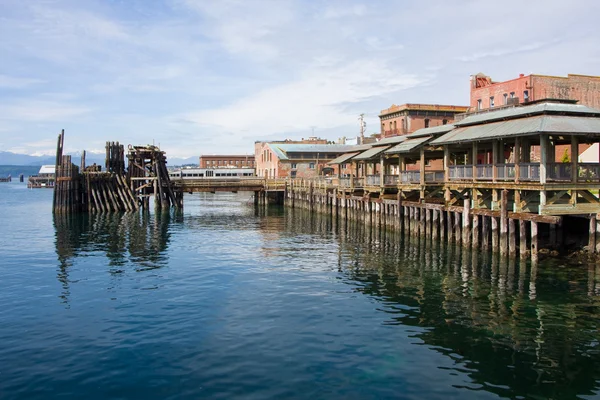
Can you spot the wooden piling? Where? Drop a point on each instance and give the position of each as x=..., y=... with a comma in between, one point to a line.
x=466, y=223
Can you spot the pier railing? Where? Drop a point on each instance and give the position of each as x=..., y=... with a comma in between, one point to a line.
x=373, y=180
x=391, y=180
x=529, y=171
x=588, y=172
x=460, y=172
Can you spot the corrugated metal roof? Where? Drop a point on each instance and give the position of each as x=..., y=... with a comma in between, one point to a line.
x=47, y=169
x=523, y=127
x=390, y=140
x=516, y=112
x=368, y=154
x=409, y=145
x=343, y=158
x=434, y=130
x=282, y=149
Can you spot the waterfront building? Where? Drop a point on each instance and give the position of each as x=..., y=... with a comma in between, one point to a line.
x=300, y=159
x=44, y=178
x=408, y=118
x=226, y=161
x=487, y=94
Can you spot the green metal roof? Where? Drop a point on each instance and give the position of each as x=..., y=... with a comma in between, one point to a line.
x=434, y=130
x=390, y=140
x=343, y=158
x=550, y=124
x=409, y=145
x=368, y=154
x=522, y=111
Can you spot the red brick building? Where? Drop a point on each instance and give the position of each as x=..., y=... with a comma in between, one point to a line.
x=486, y=94
x=300, y=159
x=223, y=161
x=407, y=118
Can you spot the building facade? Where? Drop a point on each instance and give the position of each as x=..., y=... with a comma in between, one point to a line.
x=407, y=118
x=487, y=94
x=285, y=159
x=226, y=161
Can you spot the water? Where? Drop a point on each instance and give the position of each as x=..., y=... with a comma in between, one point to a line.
x=223, y=302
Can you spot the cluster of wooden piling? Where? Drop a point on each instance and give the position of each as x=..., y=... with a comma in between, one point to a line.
x=148, y=176
x=117, y=188
x=67, y=182
x=495, y=230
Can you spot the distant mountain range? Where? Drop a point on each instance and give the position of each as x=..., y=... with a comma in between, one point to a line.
x=8, y=158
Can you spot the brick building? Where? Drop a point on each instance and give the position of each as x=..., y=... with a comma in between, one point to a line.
x=407, y=118
x=486, y=94
x=226, y=161
x=304, y=159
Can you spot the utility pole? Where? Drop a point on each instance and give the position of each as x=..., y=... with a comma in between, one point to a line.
x=363, y=127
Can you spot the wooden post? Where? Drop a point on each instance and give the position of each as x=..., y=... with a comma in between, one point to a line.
x=534, y=242
x=494, y=221
x=517, y=159
x=457, y=227
x=504, y=222
x=592, y=236
x=422, y=167
x=512, y=238
x=574, y=158
x=543, y=159
x=466, y=223
x=435, y=225
x=442, y=226
x=494, y=160
x=522, y=238
x=475, y=231
x=485, y=232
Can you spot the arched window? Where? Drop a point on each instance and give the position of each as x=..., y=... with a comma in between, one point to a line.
x=426, y=122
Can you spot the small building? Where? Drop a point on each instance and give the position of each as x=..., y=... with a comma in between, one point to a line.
x=296, y=160
x=44, y=178
x=408, y=118
x=227, y=161
x=487, y=94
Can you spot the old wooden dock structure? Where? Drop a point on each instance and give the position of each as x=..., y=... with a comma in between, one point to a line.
x=116, y=188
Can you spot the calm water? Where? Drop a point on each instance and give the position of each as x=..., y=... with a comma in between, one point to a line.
x=220, y=302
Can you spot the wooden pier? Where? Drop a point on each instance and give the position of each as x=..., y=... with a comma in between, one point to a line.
x=116, y=189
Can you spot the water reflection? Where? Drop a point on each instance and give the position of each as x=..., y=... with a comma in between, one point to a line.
x=518, y=329
x=137, y=239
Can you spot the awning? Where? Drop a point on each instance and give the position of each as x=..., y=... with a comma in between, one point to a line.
x=343, y=158
x=409, y=145
x=372, y=152
x=549, y=124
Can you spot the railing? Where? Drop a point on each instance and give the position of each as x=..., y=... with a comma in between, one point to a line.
x=345, y=182
x=410, y=176
x=558, y=172
x=458, y=172
x=529, y=172
x=358, y=182
x=373, y=180
x=391, y=180
x=484, y=171
x=434, y=176
x=505, y=172
x=588, y=172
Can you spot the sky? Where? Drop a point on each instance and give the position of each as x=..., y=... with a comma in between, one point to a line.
x=212, y=77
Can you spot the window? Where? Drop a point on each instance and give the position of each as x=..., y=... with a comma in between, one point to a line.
x=512, y=95
x=492, y=102
x=294, y=166
x=311, y=165
x=343, y=166
x=444, y=122
x=525, y=95
x=478, y=104
x=505, y=98
x=426, y=123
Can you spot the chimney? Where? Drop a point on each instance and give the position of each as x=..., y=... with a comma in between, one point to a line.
x=521, y=75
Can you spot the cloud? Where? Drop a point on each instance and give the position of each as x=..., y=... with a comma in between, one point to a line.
x=38, y=111
x=318, y=98
x=502, y=52
x=12, y=82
